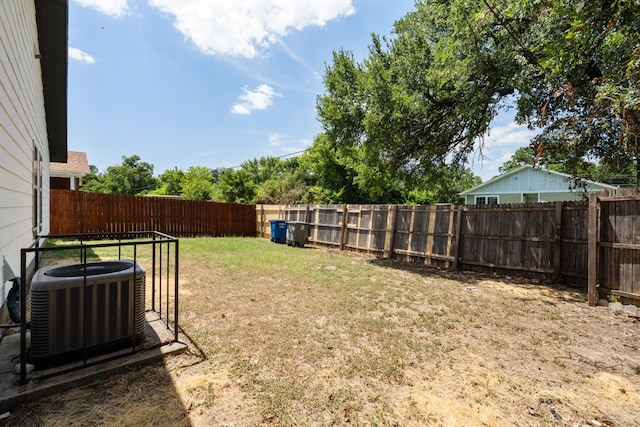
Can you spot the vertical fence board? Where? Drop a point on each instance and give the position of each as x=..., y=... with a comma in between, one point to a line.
x=458, y=236
x=634, y=286
x=401, y=238
x=557, y=240
x=390, y=230
x=593, y=250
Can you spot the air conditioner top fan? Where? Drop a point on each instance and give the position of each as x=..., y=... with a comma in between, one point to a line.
x=90, y=269
x=102, y=271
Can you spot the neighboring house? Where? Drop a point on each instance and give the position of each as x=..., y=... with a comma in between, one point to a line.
x=68, y=176
x=33, y=120
x=527, y=184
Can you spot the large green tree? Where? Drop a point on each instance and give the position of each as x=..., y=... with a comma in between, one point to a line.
x=419, y=100
x=170, y=183
x=94, y=182
x=442, y=186
x=132, y=177
x=263, y=168
x=236, y=186
x=331, y=176
x=428, y=95
x=197, y=184
x=282, y=189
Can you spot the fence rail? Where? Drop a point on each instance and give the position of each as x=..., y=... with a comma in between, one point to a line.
x=76, y=212
x=554, y=240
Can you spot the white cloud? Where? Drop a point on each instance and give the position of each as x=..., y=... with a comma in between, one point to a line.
x=275, y=140
x=499, y=146
x=78, y=55
x=243, y=27
x=114, y=8
x=510, y=134
x=258, y=99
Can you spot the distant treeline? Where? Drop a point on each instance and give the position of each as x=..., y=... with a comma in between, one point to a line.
x=319, y=175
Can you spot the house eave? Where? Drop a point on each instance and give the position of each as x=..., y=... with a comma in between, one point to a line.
x=53, y=28
x=67, y=175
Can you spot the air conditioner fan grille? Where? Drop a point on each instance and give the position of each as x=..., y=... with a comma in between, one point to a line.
x=92, y=269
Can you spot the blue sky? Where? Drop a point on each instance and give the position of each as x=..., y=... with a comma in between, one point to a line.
x=216, y=82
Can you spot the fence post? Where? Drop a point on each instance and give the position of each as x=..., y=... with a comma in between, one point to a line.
x=391, y=231
x=345, y=220
x=557, y=243
x=431, y=229
x=316, y=208
x=306, y=221
x=592, y=280
x=412, y=217
x=451, y=215
x=266, y=226
x=458, y=238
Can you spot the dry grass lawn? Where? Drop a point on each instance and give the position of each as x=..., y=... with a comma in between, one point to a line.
x=283, y=336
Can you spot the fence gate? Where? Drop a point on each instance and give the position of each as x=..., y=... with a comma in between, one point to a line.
x=614, y=248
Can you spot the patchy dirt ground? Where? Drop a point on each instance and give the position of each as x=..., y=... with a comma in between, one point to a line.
x=282, y=337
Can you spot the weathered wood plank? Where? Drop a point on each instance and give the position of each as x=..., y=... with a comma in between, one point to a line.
x=431, y=229
x=557, y=240
x=626, y=246
x=458, y=237
x=509, y=267
x=592, y=292
x=631, y=295
x=390, y=231
x=422, y=255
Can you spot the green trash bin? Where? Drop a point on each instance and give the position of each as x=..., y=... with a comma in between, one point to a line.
x=296, y=233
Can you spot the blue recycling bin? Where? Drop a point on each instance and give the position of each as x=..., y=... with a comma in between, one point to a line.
x=278, y=230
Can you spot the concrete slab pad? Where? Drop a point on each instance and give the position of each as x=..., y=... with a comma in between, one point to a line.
x=158, y=343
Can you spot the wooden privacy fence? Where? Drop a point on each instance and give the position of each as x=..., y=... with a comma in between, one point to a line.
x=75, y=212
x=614, y=247
x=555, y=240
x=264, y=214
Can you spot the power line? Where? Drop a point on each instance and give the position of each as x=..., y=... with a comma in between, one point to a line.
x=275, y=157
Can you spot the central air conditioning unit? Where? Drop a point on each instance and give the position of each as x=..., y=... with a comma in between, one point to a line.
x=87, y=309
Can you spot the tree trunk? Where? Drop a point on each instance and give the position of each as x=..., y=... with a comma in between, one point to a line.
x=632, y=130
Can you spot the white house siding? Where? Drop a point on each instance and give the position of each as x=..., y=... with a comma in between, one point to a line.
x=519, y=198
x=510, y=198
x=528, y=184
x=559, y=197
x=22, y=124
x=527, y=181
